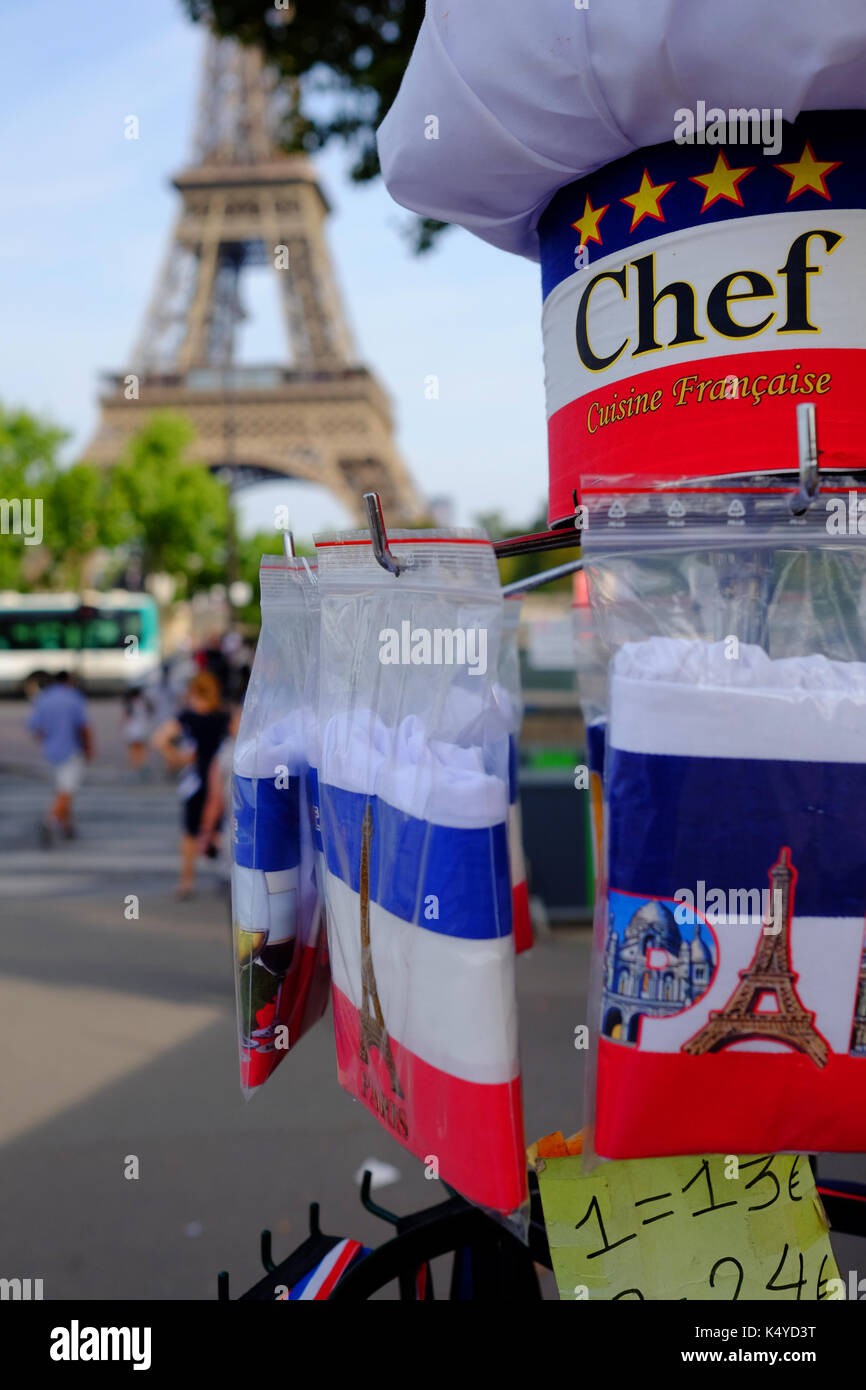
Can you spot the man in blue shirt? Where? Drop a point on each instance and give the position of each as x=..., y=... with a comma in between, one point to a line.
x=59, y=721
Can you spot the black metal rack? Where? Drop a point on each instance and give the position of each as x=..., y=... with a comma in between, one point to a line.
x=489, y=1262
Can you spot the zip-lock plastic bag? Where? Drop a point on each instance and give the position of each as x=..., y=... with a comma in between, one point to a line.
x=728, y=998
x=508, y=696
x=591, y=662
x=414, y=802
x=282, y=974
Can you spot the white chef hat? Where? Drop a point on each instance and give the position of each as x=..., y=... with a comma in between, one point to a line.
x=526, y=96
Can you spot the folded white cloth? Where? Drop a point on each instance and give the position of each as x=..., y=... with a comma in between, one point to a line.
x=676, y=696
x=281, y=744
x=266, y=901
x=428, y=778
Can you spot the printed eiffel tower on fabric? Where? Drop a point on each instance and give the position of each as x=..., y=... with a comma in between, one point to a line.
x=373, y=1030
x=769, y=976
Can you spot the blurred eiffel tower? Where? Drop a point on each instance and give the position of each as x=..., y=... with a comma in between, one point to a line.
x=323, y=417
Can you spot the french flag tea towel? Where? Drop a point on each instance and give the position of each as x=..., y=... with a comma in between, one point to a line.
x=281, y=964
x=508, y=695
x=733, y=1011
x=414, y=798
x=591, y=662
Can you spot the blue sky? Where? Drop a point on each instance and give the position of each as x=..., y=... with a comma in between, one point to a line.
x=84, y=221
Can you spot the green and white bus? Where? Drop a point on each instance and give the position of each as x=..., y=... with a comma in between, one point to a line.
x=106, y=641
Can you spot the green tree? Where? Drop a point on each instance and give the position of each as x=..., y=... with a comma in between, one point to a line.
x=82, y=515
x=28, y=450
x=344, y=57
x=28, y=467
x=174, y=511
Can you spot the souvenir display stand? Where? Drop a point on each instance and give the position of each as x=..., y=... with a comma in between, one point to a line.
x=704, y=330
x=487, y=1261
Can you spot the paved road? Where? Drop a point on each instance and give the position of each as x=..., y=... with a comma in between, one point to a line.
x=118, y=1037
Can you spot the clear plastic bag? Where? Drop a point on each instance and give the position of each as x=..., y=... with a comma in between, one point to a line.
x=414, y=801
x=508, y=696
x=591, y=662
x=728, y=990
x=282, y=975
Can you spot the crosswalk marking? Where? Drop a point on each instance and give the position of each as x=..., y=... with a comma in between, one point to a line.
x=126, y=831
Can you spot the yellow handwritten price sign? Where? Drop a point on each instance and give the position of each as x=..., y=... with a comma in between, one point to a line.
x=716, y=1227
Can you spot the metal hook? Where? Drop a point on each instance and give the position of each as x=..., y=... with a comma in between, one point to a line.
x=289, y=545
x=535, y=581
x=378, y=534
x=807, y=451
x=370, y=1205
x=265, y=1248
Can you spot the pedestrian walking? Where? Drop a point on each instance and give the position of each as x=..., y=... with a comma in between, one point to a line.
x=60, y=722
x=138, y=712
x=212, y=657
x=217, y=810
x=188, y=743
x=218, y=794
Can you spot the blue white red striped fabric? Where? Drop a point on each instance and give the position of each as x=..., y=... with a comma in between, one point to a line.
x=507, y=694
x=436, y=888
x=266, y=831
x=733, y=1016
x=521, y=919
x=324, y=1277
x=281, y=972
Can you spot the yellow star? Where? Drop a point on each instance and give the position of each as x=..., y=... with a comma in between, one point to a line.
x=721, y=182
x=808, y=173
x=587, y=225
x=645, y=203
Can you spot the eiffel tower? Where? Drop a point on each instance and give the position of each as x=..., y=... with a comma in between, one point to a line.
x=322, y=417
x=373, y=1030
x=770, y=973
